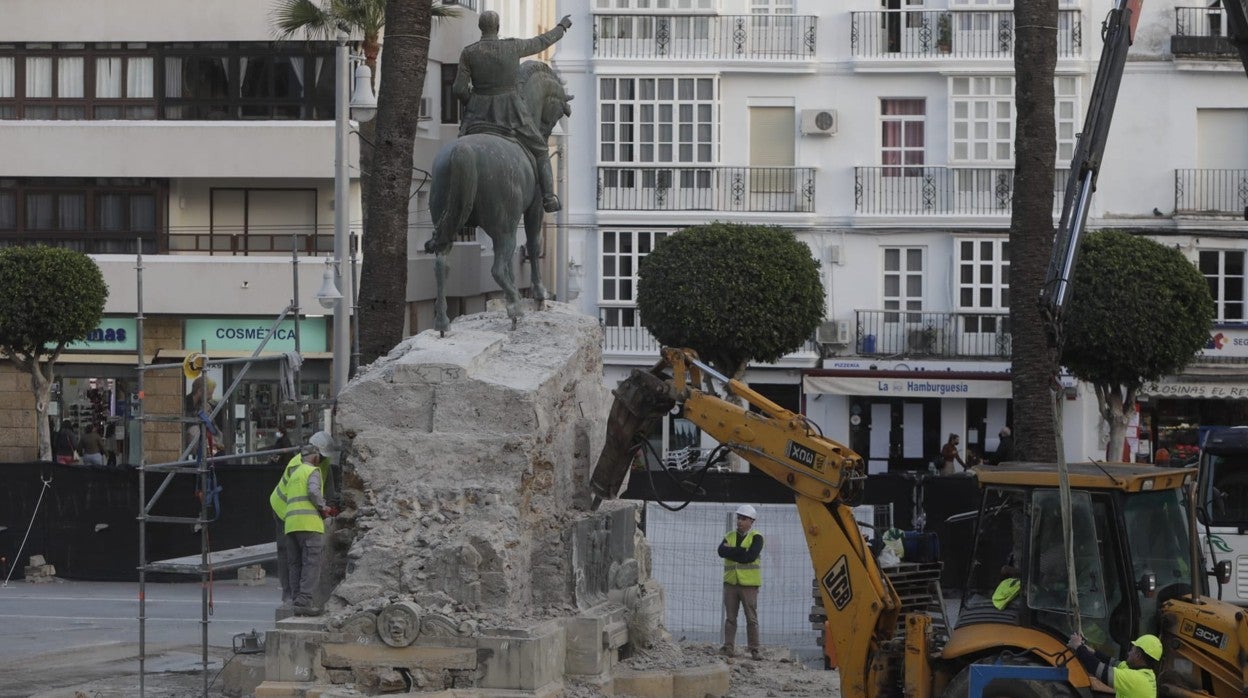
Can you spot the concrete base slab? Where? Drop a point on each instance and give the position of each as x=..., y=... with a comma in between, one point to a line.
x=242, y=675
x=700, y=681
x=643, y=684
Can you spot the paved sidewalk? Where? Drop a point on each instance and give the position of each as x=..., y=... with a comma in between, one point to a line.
x=66, y=636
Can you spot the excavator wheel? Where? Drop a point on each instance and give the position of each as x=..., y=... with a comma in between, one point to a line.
x=960, y=686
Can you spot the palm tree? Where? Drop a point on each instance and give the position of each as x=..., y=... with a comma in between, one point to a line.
x=1031, y=226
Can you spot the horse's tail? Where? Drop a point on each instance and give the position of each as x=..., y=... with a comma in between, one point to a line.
x=452, y=195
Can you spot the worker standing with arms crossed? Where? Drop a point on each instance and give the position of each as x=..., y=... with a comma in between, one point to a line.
x=299, y=501
x=743, y=575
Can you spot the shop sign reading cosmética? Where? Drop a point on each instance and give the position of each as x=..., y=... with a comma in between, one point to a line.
x=242, y=334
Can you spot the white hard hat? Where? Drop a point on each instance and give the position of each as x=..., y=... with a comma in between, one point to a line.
x=747, y=511
x=323, y=442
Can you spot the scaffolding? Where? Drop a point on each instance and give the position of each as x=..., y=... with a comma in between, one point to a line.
x=196, y=458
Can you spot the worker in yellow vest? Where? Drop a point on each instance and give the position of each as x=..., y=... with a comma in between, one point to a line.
x=743, y=575
x=1134, y=678
x=299, y=500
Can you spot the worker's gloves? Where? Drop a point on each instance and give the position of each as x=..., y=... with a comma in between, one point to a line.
x=566, y=22
x=1075, y=641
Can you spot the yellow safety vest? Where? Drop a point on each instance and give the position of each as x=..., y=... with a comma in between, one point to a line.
x=300, y=514
x=746, y=574
x=1134, y=683
x=277, y=498
x=1005, y=593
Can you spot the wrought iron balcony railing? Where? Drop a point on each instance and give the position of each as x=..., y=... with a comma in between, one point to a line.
x=637, y=340
x=967, y=191
x=708, y=188
x=939, y=335
x=705, y=37
x=1201, y=31
x=224, y=240
x=1211, y=192
x=951, y=34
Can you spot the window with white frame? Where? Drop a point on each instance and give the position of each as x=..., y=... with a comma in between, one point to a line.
x=903, y=283
x=983, y=282
x=656, y=119
x=903, y=123
x=771, y=7
x=983, y=115
x=1224, y=270
x=622, y=250
x=644, y=5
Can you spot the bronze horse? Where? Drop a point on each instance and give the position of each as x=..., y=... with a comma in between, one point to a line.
x=488, y=181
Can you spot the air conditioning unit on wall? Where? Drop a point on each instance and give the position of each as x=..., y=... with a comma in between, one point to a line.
x=833, y=332
x=819, y=122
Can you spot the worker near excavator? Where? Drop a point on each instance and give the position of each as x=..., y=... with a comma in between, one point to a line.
x=743, y=575
x=1134, y=678
x=299, y=501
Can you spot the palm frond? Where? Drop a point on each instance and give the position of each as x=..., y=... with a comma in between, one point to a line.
x=443, y=11
x=293, y=16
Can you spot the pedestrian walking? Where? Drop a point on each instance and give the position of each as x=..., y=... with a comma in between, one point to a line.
x=743, y=575
x=1005, y=447
x=298, y=501
x=65, y=444
x=949, y=455
x=91, y=447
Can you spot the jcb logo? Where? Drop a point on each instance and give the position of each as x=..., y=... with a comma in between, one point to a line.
x=836, y=583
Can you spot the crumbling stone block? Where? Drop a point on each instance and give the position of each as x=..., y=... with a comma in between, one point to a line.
x=523, y=658
x=251, y=575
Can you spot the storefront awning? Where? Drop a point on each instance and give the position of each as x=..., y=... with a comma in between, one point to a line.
x=911, y=385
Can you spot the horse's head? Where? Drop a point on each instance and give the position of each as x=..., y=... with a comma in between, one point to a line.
x=544, y=95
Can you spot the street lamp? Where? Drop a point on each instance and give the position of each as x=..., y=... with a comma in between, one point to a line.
x=363, y=106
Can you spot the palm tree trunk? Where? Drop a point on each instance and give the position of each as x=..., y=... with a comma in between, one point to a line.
x=1031, y=226
x=383, y=279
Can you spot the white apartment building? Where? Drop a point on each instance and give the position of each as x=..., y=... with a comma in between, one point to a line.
x=186, y=131
x=882, y=134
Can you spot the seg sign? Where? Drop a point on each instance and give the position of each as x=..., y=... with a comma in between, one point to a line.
x=112, y=334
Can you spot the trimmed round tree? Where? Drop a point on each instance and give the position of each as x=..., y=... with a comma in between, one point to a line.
x=1139, y=310
x=49, y=297
x=733, y=293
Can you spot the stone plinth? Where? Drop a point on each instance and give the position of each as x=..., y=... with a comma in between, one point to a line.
x=474, y=451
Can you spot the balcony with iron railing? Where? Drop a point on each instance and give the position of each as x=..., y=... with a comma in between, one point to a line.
x=1201, y=31
x=254, y=240
x=891, y=190
x=1210, y=192
x=951, y=34
x=707, y=188
x=705, y=37
x=933, y=335
x=633, y=344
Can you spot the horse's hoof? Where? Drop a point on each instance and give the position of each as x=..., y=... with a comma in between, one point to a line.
x=442, y=334
x=514, y=321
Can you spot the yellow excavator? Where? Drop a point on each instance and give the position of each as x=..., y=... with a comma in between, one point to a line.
x=1133, y=556
x=1128, y=531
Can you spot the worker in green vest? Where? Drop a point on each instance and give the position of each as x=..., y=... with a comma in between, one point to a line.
x=1134, y=678
x=743, y=575
x=298, y=499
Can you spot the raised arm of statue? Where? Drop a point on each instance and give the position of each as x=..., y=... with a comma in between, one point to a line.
x=528, y=47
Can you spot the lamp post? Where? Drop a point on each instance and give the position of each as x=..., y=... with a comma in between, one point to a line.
x=363, y=106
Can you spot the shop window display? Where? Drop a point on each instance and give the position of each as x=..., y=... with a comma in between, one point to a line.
x=102, y=403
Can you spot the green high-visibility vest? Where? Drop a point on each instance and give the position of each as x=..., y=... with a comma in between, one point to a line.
x=1006, y=591
x=277, y=498
x=1134, y=683
x=746, y=574
x=300, y=514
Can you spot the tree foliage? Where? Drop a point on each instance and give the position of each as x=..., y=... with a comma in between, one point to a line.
x=734, y=293
x=1139, y=310
x=49, y=297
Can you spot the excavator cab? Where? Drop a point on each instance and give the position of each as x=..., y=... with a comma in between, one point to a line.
x=1131, y=553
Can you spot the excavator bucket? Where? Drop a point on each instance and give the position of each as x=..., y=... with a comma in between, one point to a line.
x=640, y=400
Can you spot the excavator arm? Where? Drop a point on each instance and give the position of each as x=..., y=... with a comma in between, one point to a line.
x=824, y=476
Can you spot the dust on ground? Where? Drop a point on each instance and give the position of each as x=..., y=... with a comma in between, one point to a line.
x=776, y=675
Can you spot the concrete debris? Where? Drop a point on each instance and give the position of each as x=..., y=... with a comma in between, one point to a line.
x=39, y=571
x=251, y=575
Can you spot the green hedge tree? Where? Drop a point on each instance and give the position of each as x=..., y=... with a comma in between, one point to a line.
x=49, y=297
x=1139, y=310
x=733, y=293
